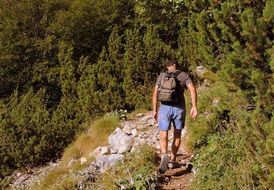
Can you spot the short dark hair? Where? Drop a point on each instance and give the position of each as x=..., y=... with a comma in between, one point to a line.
x=172, y=62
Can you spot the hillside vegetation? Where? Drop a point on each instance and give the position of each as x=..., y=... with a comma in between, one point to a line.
x=66, y=62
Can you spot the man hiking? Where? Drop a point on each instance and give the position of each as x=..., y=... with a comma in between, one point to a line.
x=169, y=90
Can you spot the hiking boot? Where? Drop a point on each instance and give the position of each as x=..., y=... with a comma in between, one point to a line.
x=173, y=164
x=164, y=163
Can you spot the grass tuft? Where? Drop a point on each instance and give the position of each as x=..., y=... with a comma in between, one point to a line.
x=96, y=135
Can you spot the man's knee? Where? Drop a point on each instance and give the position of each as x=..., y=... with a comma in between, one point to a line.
x=163, y=134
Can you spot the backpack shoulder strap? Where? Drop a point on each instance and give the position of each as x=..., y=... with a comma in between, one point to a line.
x=163, y=75
x=177, y=73
x=174, y=74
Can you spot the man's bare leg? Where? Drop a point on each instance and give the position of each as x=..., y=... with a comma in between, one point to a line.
x=176, y=143
x=163, y=146
x=163, y=142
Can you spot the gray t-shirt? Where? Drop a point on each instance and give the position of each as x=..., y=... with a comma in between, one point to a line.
x=184, y=81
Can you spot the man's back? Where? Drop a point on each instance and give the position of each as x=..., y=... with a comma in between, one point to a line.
x=183, y=79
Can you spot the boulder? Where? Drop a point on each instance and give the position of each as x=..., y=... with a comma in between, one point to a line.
x=105, y=161
x=120, y=142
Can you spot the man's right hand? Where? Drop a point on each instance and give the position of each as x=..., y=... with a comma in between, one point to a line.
x=193, y=112
x=155, y=117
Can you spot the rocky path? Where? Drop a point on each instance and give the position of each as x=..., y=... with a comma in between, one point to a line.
x=131, y=134
x=180, y=177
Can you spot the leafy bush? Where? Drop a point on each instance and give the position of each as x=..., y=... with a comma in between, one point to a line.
x=25, y=132
x=230, y=142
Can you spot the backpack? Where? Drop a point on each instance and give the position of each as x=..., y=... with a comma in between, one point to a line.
x=169, y=88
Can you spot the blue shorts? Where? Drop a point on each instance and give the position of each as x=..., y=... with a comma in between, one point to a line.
x=168, y=114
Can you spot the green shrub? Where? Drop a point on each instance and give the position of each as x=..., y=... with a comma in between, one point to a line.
x=25, y=133
x=232, y=142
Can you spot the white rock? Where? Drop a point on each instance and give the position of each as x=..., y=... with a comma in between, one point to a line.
x=200, y=70
x=105, y=161
x=140, y=126
x=83, y=160
x=105, y=150
x=101, y=150
x=139, y=114
x=145, y=119
x=157, y=146
x=184, y=132
x=215, y=102
x=96, y=152
x=134, y=133
x=150, y=122
x=137, y=143
x=127, y=129
x=120, y=142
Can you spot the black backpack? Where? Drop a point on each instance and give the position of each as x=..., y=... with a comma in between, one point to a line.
x=169, y=88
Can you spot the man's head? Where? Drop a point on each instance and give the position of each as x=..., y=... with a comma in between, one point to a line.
x=172, y=65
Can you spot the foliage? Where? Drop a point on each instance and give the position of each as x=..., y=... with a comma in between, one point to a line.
x=66, y=62
x=231, y=149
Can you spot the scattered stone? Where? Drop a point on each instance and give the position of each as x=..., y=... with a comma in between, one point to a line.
x=101, y=150
x=206, y=83
x=215, y=102
x=83, y=160
x=105, y=150
x=96, y=152
x=145, y=119
x=137, y=143
x=139, y=115
x=150, y=122
x=200, y=70
x=134, y=133
x=140, y=126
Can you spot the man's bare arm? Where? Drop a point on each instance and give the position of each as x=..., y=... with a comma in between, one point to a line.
x=193, y=94
x=154, y=104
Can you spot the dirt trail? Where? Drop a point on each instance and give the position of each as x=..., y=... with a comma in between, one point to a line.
x=178, y=178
